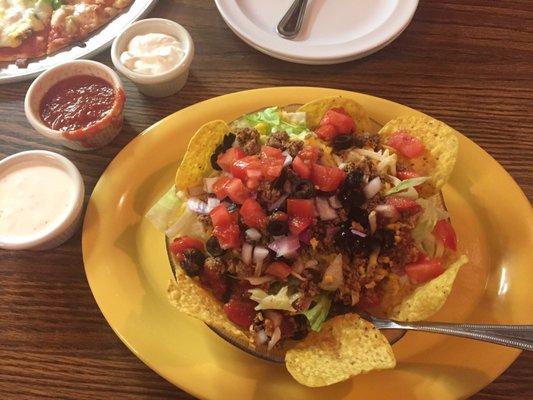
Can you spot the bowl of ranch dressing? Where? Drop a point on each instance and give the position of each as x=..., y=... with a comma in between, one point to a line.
x=155, y=54
x=41, y=200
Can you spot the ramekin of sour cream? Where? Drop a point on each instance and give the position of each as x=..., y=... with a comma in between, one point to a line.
x=41, y=200
x=155, y=54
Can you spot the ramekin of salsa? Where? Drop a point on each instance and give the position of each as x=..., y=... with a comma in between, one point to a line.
x=78, y=104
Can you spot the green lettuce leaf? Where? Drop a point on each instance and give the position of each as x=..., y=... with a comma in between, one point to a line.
x=426, y=222
x=406, y=184
x=319, y=312
x=278, y=121
x=167, y=210
x=280, y=301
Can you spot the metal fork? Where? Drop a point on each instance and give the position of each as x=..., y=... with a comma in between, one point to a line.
x=517, y=336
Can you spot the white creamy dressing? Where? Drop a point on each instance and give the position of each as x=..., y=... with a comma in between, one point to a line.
x=34, y=197
x=152, y=54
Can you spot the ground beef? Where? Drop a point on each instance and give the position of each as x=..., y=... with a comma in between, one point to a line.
x=279, y=140
x=248, y=140
x=294, y=147
x=215, y=264
x=371, y=140
x=206, y=222
x=267, y=193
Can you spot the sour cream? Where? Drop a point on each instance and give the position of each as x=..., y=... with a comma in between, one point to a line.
x=152, y=54
x=41, y=197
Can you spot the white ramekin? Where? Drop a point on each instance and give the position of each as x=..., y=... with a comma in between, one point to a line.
x=160, y=85
x=69, y=223
x=93, y=137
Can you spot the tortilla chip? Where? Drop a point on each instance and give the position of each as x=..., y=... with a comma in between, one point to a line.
x=189, y=297
x=441, y=141
x=427, y=299
x=347, y=345
x=196, y=161
x=316, y=109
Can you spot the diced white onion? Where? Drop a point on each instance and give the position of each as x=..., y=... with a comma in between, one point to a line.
x=212, y=202
x=197, y=206
x=253, y=234
x=387, y=211
x=334, y=202
x=246, y=253
x=373, y=187
x=196, y=191
x=325, y=211
x=259, y=255
x=285, y=245
x=358, y=233
x=288, y=158
x=208, y=184
x=333, y=277
x=276, y=336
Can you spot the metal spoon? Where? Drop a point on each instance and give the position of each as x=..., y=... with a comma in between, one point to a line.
x=290, y=24
x=517, y=336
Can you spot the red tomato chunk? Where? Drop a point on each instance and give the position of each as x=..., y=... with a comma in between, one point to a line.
x=253, y=215
x=423, y=271
x=179, y=245
x=327, y=179
x=406, y=145
x=279, y=270
x=240, y=311
x=444, y=231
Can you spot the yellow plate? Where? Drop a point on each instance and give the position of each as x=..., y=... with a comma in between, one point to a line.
x=127, y=268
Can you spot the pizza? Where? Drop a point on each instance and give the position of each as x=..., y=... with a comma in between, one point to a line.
x=35, y=28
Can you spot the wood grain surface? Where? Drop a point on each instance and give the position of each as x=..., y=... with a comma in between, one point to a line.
x=467, y=62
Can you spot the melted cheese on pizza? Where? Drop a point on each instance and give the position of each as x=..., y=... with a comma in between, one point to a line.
x=19, y=18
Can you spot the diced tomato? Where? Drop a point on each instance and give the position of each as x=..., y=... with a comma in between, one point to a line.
x=272, y=162
x=301, y=214
x=301, y=208
x=239, y=289
x=179, y=245
x=228, y=236
x=444, y=231
x=369, y=299
x=309, y=153
x=424, y=271
x=302, y=169
x=219, y=187
x=303, y=162
x=279, y=270
x=340, y=119
x=240, y=166
x=252, y=214
x=240, y=311
x=220, y=216
x=326, y=132
x=237, y=192
x=406, y=145
x=226, y=160
x=403, y=175
x=226, y=227
x=327, y=178
x=404, y=204
x=215, y=282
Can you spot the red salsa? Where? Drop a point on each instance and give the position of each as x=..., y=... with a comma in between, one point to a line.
x=76, y=102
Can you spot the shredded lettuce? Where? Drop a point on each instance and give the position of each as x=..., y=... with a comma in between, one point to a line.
x=406, y=184
x=280, y=301
x=319, y=312
x=187, y=224
x=430, y=215
x=272, y=120
x=167, y=210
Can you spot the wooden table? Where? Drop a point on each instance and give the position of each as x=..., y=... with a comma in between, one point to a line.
x=465, y=62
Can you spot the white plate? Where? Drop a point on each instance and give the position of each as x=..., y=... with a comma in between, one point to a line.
x=96, y=43
x=333, y=31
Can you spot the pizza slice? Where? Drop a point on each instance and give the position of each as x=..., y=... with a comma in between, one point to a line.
x=77, y=19
x=24, y=27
